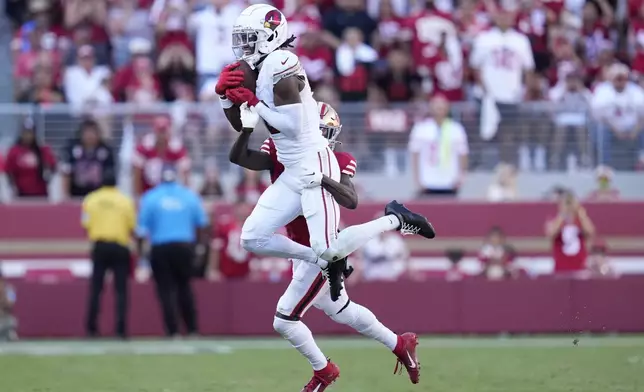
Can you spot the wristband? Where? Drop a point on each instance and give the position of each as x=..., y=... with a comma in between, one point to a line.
x=225, y=102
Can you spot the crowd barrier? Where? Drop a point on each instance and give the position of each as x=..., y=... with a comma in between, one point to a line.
x=544, y=305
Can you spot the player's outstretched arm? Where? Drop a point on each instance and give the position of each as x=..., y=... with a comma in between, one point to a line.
x=234, y=118
x=343, y=192
x=241, y=155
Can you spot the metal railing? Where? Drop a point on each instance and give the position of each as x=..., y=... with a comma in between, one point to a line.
x=536, y=135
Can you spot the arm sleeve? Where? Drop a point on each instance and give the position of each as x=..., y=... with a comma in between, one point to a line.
x=413, y=138
x=286, y=118
x=462, y=146
x=528, y=60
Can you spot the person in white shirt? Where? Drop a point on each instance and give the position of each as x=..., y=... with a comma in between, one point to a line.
x=504, y=187
x=570, y=100
x=439, y=151
x=500, y=58
x=618, y=107
x=87, y=83
x=213, y=31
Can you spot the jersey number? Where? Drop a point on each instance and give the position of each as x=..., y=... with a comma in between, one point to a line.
x=503, y=58
x=570, y=239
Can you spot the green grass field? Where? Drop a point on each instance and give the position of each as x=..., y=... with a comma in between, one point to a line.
x=607, y=364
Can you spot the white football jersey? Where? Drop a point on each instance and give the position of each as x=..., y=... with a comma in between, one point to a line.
x=501, y=58
x=291, y=149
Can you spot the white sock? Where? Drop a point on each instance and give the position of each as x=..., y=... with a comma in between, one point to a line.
x=278, y=245
x=300, y=337
x=364, y=321
x=354, y=237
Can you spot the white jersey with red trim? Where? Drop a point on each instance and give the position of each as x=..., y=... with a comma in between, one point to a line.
x=291, y=149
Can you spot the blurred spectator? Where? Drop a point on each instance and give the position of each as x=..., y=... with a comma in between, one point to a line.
x=391, y=26
x=8, y=322
x=565, y=61
x=354, y=60
x=87, y=157
x=250, y=186
x=385, y=258
x=144, y=88
x=597, y=264
x=569, y=232
x=570, y=100
x=29, y=164
x=439, y=152
x=618, y=105
x=347, y=14
x=213, y=31
x=176, y=66
x=504, y=187
x=82, y=35
x=212, y=185
x=399, y=82
x=500, y=58
x=41, y=53
x=455, y=256
x=126, y=76
x=127, y=23
x=41, y=23
x=90, y=12
x=229, y=259
x=495, y=257
x=597, y=17
x=43, y=90
x=315, y=56
x=87, y=83
x=604, y=191
x=533, y=131
x=156, y=149
x=170, y=19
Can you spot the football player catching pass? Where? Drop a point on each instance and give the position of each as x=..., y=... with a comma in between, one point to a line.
x=283, y=99
x=307, y=287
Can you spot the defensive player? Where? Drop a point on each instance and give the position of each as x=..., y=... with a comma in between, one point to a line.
x=291, y=115
x=307, y=287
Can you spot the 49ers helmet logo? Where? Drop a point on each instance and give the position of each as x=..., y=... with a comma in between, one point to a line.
x=272, y=19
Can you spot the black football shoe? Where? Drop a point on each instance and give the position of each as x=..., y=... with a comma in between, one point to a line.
x=410, y=222
x=334, y=273
x=348, y=269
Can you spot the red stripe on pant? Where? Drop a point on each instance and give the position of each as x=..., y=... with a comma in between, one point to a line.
x=310, y=295
x=326, y=214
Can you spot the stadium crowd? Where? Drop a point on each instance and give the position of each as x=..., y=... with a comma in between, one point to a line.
x=554, y=58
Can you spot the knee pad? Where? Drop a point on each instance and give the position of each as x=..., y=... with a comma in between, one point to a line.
x=283, y=327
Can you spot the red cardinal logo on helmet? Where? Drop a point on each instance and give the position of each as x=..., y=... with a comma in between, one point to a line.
x=272, y=19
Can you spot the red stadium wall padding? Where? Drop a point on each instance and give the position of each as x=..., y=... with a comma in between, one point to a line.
x=548, y=305
x=451, y=219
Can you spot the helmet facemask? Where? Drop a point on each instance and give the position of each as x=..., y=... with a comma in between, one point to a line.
x=247, y=43
x=331, y=133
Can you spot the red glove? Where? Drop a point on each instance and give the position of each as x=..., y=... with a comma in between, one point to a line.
x=240, y=95
x=229, y=79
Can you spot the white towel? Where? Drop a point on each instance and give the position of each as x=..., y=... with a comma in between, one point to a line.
x=490, y=118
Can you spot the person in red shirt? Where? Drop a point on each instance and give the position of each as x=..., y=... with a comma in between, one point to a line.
x=155, y=150
x=569, y=232
x=29, y=164
x=250, y=187
x=229, y=259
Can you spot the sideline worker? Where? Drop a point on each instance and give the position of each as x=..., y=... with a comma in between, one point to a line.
x=109, y=217
x=171, y=216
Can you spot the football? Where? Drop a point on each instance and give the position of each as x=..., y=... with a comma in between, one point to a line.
x=250, y=76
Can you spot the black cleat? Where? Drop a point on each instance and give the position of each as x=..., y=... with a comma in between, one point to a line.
x=334, y=273
x=410, y=222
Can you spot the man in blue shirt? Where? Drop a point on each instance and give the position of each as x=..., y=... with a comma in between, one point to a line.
x=173, y=219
